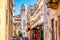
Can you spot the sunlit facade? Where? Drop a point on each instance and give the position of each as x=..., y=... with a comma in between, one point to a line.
x=6, y=19
x=24, y=19
x=54, y=16
x=3, y=4
x=29, y=16
x=16, y=19
x=36, y=22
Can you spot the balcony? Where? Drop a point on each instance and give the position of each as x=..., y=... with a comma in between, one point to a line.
x=38, y=21
x=35, y=20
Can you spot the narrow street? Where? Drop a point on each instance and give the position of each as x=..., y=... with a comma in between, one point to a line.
x=29, y=19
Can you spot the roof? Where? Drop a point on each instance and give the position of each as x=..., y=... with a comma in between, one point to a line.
x=17, y=16
x=17, y=19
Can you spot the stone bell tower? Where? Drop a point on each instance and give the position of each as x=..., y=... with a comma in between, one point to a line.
x=24, y=19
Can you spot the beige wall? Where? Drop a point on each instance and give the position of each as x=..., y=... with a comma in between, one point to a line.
x=58, y=27
x=3, y=19
x=53, y=15
x=5, y=31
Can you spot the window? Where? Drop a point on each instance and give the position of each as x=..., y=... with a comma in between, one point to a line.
x=20, y=24
x=33, y=34
x=31, y=9
x=32, y=14
x=24, y=24
x=52, y=24
x=56, y=30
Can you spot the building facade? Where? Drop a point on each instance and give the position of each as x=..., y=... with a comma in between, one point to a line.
x=52, y=23
x=54, y=18
x=29, y=16
x=6, y=12
x=37, y=22
x=24, y=19
x=3, y=4
x=16, y=24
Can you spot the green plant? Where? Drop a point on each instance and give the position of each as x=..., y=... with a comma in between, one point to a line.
x=20, y=34
x=16, y=25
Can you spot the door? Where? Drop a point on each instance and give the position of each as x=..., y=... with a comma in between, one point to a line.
x=41, y=32
x=52, y=24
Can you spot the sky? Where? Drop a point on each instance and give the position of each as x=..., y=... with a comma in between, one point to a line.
x=18, y=4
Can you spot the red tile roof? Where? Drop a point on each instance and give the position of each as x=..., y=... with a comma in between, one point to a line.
x=17, y=19
x=17, y=16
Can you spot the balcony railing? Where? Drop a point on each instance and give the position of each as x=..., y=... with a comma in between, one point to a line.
x=35, y=20
x=37, y=15
x=38, y=8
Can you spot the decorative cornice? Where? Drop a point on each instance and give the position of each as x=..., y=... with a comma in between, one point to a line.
x=52, y=4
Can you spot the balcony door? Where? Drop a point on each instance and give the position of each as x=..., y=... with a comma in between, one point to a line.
x=52, y=22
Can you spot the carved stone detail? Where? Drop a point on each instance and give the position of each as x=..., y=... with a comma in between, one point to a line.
x=52, y=4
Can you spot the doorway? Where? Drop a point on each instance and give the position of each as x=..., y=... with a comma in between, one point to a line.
x=52, y=24
x=41, y=32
